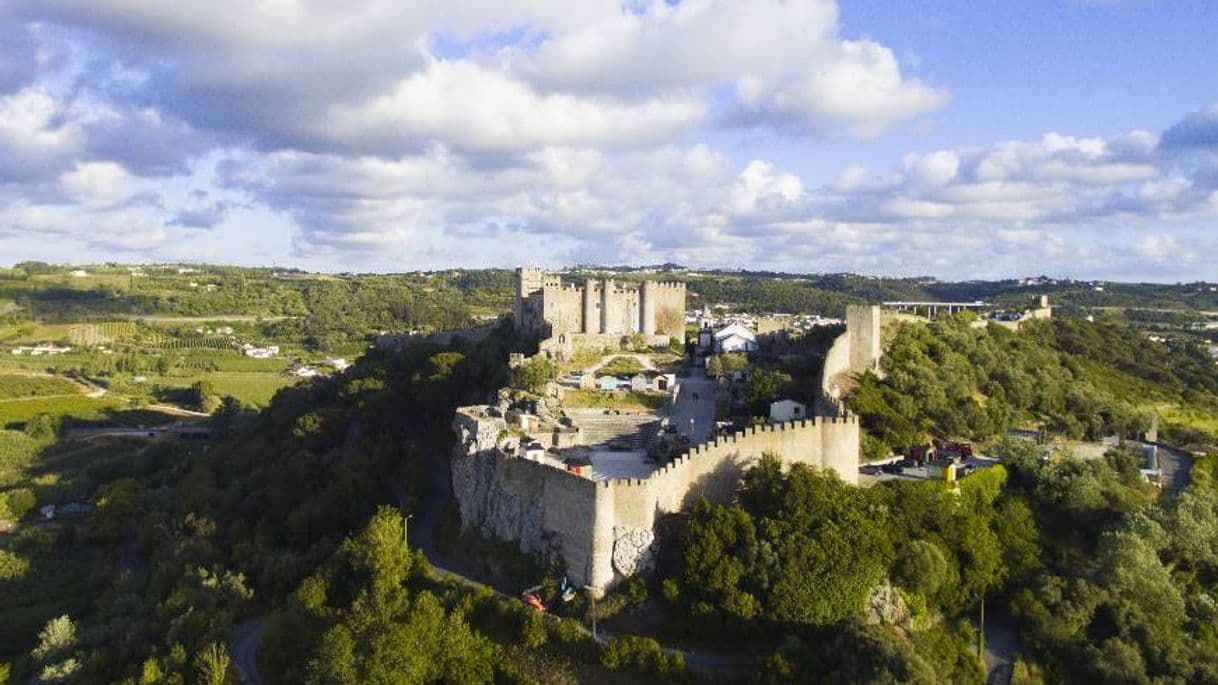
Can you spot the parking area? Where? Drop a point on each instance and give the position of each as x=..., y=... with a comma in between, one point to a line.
x=898, y=468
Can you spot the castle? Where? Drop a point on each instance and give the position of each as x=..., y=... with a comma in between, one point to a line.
x=527, y=470
x=598, y=313
x=603, y=531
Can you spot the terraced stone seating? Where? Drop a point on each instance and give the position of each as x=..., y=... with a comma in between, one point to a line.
x=603, y=430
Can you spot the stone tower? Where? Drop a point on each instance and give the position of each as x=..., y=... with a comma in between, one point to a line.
x=647, y=308
x=592, y=311
x=864, y=328
x=608, y=308
x=529, y=280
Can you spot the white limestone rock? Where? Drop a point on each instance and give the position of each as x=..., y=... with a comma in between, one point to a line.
x=634, y=550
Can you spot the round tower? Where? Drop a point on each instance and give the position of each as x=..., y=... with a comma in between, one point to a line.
x=592, y=322
x=607, y=309
x=647, y=308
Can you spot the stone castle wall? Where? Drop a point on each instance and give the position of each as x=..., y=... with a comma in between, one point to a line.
x=548, y=307
x=601, y=531
x=549, y=511
x=856, y=350
x=669, y=308
x=563, y=308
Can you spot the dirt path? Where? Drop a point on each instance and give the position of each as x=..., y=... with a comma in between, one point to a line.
x=240, y=318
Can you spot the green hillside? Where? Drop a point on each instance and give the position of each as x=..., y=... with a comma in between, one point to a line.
x=1078, y=379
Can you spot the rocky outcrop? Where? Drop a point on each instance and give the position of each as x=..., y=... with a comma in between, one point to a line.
x=634, y=550
x=886, y=606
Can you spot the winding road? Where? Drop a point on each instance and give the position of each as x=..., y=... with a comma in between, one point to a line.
x=247, y=638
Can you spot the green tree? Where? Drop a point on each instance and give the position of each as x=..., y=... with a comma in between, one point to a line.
x=117, y=503
x=15, y=504
x=380, y=551
x=335, y=662
x=922, y=566
x=55, y=638
x=42, y=427
x=212, y=665
x=532, y=375
x=202, y=396
x=765, y=385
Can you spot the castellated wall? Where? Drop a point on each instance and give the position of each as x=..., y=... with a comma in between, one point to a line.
x=563, y=308
x=602, y=531
x=548, y=307
x=857, y=350
x=549, y=511
x=669, y=308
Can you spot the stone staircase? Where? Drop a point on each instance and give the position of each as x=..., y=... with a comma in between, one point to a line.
x=599, y=428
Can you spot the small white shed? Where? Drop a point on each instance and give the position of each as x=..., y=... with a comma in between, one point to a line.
x=787, y=410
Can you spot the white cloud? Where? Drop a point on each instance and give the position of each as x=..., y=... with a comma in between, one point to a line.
x=390, y=133
x=761, y=186
x=860, y=87
x=466, y=106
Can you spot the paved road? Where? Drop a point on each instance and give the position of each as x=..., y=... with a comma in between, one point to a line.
x=247, y=638
x=1174, y=468
x=696, y=401
x=1001, y=645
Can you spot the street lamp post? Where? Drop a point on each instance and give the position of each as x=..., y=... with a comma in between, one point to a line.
x=592, y=595
x=406, y=530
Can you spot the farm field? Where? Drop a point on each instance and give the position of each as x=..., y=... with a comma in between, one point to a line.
x=256, y=388
x=13, y=386
x=74, y=406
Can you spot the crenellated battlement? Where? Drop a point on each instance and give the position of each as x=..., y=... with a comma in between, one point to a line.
x=547, y=306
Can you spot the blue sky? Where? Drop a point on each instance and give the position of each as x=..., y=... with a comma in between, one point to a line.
x=980, y=139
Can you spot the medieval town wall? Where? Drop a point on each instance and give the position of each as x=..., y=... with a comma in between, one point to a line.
x=549, y=511
x=598, y=528
x=669, y=298
x=856, y=350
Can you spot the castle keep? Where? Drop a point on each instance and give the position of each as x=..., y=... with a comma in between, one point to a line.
x=600, y=311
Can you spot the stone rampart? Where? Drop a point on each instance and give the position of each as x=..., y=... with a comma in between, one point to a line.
x=550, y=511
x=601, y=531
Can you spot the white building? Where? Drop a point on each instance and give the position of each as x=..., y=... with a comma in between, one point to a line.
x=534, y=451
x=735, y=338
x=783, y=411
x=267, y=352
x=78, y=273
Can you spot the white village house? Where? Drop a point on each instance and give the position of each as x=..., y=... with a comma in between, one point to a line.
x=735, y=338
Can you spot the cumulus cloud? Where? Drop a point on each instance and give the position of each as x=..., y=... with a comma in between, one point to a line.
x=412, y=134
